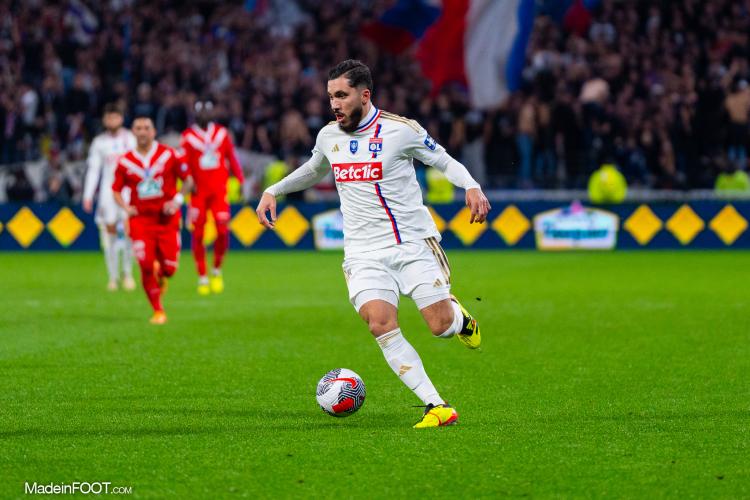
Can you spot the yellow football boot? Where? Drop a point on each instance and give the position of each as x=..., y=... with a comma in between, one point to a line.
x=203, y=287
x=437, y=416
x=217, y=283
x=469, y=334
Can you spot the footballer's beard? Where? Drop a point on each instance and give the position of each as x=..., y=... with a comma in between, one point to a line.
x=202, y=122
x=354, y=120
x=144, y=144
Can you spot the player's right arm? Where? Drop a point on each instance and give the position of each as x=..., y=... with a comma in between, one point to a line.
x=424, y=148
x=117, y=186
x=308, y=174
x=93, y=173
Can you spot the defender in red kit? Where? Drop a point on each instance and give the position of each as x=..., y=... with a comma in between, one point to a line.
x=151, y=171
x=209, y=155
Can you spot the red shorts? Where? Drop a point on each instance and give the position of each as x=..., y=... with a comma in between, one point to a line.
x=156, y=238
x=200, y=204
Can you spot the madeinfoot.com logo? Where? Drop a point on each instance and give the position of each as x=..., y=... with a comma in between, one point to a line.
x=76, y=488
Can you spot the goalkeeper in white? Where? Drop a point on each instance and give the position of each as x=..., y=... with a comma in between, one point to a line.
x=391, y=244
x=105, y=150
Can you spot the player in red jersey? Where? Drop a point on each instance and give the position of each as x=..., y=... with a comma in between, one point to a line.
x=207, y=149
x=151, y=171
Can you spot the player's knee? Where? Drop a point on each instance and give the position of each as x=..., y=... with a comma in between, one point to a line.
x=380, y=325
x=438, y=326
x=111, y=228
x=222, y=219
x=169, y=270
x=147, y=267
x=441, y=320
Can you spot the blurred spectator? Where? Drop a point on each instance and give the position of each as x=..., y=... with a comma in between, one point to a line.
x=738, y=106
x=659, y=88
x=527, y=128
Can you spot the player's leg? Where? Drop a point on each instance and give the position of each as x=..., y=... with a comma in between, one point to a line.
x=126, y=252
x=168, y=244
x=168, y=251
x=107, y=216
x=110, y=255
x=220, y=211
x=381, y=317
x=427, y=275
x=374, y=294
x=197, y=216
x=144, y=248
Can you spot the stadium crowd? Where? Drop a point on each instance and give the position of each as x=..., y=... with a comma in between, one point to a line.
x=660, y=89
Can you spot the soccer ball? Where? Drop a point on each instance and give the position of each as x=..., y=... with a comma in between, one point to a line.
x=340, y=392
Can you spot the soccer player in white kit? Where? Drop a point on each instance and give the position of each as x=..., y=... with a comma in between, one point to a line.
x=104, y=152
x=390, y=240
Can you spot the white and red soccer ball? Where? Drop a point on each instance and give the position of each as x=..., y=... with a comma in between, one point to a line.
x=340, y=392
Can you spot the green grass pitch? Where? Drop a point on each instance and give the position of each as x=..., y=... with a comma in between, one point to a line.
x=601, y=375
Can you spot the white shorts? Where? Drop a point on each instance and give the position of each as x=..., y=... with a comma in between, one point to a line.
x=108, y=211
x=418, y=269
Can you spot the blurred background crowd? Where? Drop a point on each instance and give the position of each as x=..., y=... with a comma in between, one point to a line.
x=658, y=88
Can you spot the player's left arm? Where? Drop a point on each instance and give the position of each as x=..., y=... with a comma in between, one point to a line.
x=424, y=148
x=117, y=187
x=234, y=164
x=93, y=172
x=183, y=172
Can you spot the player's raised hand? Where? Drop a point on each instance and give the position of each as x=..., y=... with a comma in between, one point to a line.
x=478, y=204
x=267, y=204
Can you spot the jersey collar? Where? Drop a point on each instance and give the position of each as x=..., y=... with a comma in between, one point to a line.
x=205, y=135
x=146, y=159
x=369, y=120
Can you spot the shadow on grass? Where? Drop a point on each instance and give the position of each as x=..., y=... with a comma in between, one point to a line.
x=248, y=418
x=244, y=421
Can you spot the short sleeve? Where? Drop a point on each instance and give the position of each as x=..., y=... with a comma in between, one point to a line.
x=421, y=146
x=180, y=165
x=119, y=181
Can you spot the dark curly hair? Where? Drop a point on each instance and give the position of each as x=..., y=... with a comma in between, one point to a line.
x=356, y=72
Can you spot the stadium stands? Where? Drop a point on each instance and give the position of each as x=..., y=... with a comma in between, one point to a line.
x=659, y=89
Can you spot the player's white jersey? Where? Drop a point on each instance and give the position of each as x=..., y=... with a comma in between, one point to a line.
x=104, y=152
x=380, y=197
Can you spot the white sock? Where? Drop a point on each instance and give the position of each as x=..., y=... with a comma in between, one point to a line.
x=127, y=256
x=458, y=322
x=405, y=362
x=110, y=256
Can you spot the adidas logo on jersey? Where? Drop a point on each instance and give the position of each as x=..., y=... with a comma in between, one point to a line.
x=335, y=148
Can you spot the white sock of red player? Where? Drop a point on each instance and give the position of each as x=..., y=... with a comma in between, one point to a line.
x=406, y=363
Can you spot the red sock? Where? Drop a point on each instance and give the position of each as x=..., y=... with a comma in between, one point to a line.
x=220, y=246
x=151, y=286
x=199, y=252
